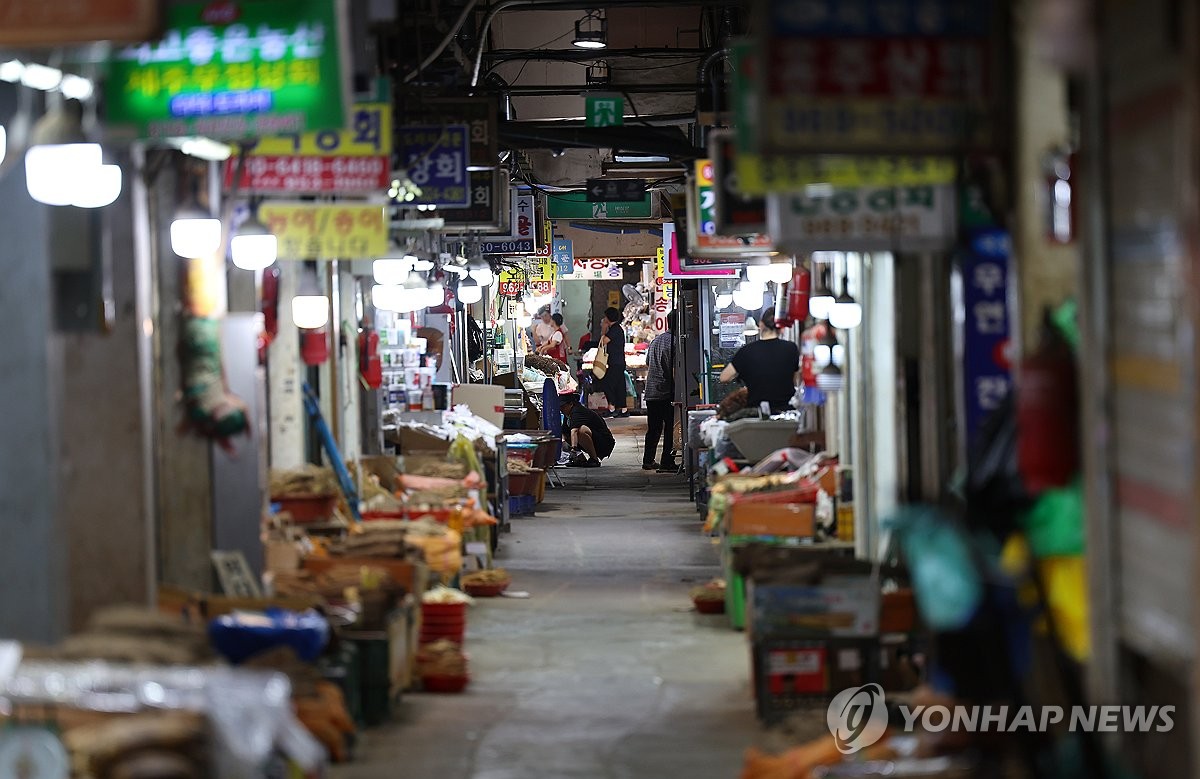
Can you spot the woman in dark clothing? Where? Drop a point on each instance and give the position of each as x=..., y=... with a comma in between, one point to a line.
x=769, y=367
x=613, y=342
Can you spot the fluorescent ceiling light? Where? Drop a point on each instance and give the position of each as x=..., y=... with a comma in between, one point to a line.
x=205, y=148
x=640, y=158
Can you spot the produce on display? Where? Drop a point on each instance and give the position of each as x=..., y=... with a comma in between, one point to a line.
x=441, y=658
x=160, y=744
x=307, y=481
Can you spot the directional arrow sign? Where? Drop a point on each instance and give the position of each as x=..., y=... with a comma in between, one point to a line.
x=616, y=190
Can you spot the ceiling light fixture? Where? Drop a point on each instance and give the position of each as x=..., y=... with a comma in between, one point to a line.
x=598, y=74
x=831, y=379
x=481, y=272
x=821, y=299
x=469, y=291
x=62, y=168
x=591, y=32
x=391, y=270
x=310, y=309
x=253, y=246
x=846, y=312
x=748, y=295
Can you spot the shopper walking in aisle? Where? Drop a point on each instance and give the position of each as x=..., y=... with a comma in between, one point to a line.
x=769, y=367
x=613, y=383
x=586, y=434
x=660, y=396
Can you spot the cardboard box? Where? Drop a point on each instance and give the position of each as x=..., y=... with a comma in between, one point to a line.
x=839, y=607
x=772, y=519
x=409, y=439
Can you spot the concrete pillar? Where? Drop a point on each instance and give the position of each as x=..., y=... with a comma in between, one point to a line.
x=33, y=587
x=284, y=379
x=1048, y=272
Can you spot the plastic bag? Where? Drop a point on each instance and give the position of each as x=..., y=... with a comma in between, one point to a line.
x=946, y=584
x=241, y=635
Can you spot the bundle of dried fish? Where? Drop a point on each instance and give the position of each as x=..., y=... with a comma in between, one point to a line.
x=429, y=465
x=307, y=481
x=547, y=365
x=518, y=466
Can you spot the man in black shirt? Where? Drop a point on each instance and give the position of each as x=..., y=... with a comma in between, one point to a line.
x=586, y=433
x=768, y=367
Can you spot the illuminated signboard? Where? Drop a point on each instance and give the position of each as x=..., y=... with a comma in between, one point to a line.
x=231, y=70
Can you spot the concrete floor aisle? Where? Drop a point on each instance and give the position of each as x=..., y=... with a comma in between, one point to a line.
x=605, y=672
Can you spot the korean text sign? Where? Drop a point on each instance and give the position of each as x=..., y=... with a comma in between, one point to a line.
x=538, y=275
x=309, y=231
x=986, y=374
x=329, y=161
x=436, y=157
x=231, y=70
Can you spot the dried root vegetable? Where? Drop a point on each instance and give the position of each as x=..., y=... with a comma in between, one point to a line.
x=307, y=481
x=485, y=578
x=441, y=658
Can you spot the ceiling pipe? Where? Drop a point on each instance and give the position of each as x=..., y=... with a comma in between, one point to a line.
x=568, y=5
x=462, y=19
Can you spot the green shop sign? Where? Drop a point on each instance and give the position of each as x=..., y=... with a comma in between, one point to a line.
x=232, y=70
x=575, y=205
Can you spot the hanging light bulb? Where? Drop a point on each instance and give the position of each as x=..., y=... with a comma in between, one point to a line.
x=821, y=299
x=391, y=271
x=751, y=326
x=62, y=168
x=748, y=294
x=310, y=309
x=387, y=297
x=591, y=32
x=780, y=272
x=846, y=312
x=724, y=300
x=414, y=281
x=481, y=272
x=469, y=291
x=830, y=379
x=253, y=246
x=823, y=351
x=435, y=292
x=758, y=270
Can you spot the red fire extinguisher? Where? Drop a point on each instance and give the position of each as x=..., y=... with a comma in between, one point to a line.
x=314, y=346
x=795, y=308
x=369, y=364
x=269, y=300
x=1047, y=414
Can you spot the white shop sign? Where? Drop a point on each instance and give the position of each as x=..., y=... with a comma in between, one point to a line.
x=916, y=218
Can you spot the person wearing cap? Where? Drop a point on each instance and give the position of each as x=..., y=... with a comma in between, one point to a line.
x=586, y=434
x=543, y=329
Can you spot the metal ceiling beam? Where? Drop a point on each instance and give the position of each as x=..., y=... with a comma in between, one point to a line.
x=587, y=55
x=632, y=139
x=576, y=5
x=578, y=89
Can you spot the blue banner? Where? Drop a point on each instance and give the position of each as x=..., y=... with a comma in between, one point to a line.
x=986, y=374
x=564, y=256
x=436, y=158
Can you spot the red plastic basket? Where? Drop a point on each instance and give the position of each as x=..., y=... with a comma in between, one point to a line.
x=308, y=509
x=451, y=684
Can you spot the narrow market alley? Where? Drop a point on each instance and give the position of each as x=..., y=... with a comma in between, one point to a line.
x=606, y=670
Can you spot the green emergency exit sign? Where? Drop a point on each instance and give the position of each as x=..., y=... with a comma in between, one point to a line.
x=604, y=111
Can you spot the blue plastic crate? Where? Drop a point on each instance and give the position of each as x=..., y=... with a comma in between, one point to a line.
x=521, y=505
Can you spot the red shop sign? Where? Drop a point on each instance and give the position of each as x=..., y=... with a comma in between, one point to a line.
x=324, y=175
